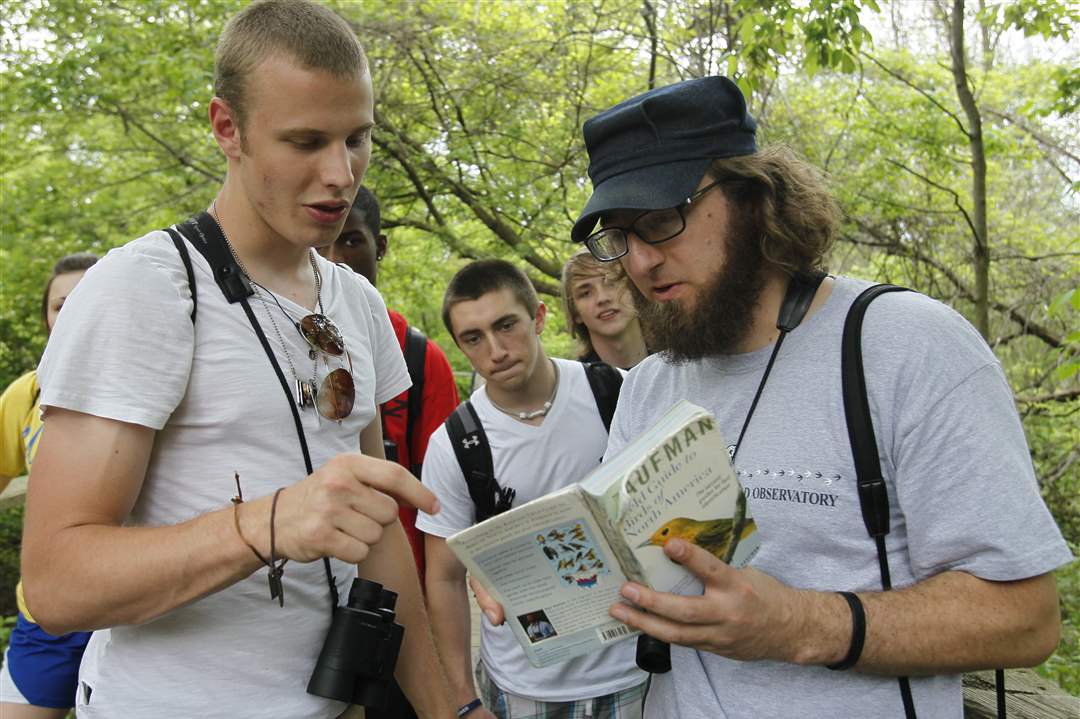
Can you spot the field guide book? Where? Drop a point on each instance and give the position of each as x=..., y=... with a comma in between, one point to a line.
x=556, y=563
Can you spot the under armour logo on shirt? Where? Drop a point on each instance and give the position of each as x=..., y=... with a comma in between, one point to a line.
x=470, y=441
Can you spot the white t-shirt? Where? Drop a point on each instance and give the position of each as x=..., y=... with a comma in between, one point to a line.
x=126, y=349
x=534, y=460
x=962, y=492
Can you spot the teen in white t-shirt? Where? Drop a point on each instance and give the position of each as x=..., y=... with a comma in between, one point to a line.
x=494, y=316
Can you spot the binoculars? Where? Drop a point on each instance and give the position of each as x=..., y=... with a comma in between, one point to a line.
x=356, y=664
x=653, y=655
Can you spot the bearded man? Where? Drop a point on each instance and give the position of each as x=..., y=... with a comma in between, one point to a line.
x=712, y=231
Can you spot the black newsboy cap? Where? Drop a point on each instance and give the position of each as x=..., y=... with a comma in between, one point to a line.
x=651, y=151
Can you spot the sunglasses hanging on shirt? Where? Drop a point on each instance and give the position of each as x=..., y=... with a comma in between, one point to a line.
x=335, y=396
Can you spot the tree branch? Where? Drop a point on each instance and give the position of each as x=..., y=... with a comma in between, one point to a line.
x=1027, y=325
x=1064, y=395
x=488, y=217
x=943, y=188
x=933, y=100
x=1038, y=136
x=181, y=157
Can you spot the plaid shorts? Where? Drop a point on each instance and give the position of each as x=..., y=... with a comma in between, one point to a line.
x=626, y=704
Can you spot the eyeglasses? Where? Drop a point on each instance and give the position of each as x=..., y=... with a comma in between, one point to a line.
x=652, y=226
x=337, y=393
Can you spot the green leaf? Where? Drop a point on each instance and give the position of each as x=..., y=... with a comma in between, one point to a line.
x=1068, y=298
x=746, y=85
x=1066, y=371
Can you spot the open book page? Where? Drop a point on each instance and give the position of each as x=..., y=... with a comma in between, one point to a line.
x=549, y=566
x=676, y=480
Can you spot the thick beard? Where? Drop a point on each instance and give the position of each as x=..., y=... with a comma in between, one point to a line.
x=723, y=313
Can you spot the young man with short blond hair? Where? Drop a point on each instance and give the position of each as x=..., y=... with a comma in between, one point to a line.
x=155, y=416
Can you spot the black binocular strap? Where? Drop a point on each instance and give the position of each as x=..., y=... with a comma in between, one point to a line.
x=873, y=494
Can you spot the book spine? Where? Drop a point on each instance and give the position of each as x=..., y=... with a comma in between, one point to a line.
x=629, y=564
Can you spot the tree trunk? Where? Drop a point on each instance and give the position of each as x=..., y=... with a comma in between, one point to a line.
x=648, y=12
x=981, y=251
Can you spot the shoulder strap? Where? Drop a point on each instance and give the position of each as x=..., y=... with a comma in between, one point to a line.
x=415, y=357
x=873, y=494
x=473, y=453
x=185, y=257
x=605, y=382
x=205, y=235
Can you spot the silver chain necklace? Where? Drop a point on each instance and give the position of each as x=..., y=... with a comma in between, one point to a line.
x=542, y=412
x=304, y=392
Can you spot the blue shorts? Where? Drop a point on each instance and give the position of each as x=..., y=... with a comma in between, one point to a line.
x=44, y=668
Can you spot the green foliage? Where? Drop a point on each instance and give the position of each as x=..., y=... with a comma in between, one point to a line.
x=1063, y=668
x=1067, y=98
x=7, y=624
x=1067, y=305
x=478, y=153
x=104, y=138
x=10, y=544
x=1047, y=18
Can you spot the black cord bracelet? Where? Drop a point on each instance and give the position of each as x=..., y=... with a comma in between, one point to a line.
x=858, y=633
x=277, y=589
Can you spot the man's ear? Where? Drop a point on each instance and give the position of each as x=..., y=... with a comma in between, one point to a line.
x=382, y=245
x=541, y=317
x=225, y=127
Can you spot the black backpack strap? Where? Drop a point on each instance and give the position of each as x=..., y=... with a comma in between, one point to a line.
x=473, y=453
x=605, y=382
x=873, y=494
x=415, y=357
x=185, y=257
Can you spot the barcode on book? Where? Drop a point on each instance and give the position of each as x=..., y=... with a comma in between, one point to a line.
x=620, y=631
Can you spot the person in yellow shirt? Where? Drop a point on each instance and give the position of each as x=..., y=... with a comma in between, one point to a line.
x=39, y=671
x=20, y=426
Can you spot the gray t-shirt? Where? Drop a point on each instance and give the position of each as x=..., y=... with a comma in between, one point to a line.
x=962, y=490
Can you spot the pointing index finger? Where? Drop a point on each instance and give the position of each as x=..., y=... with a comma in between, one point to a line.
x=393, y=479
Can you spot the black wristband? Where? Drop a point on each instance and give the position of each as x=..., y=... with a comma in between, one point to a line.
x=466, y=708
x=858, y=633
